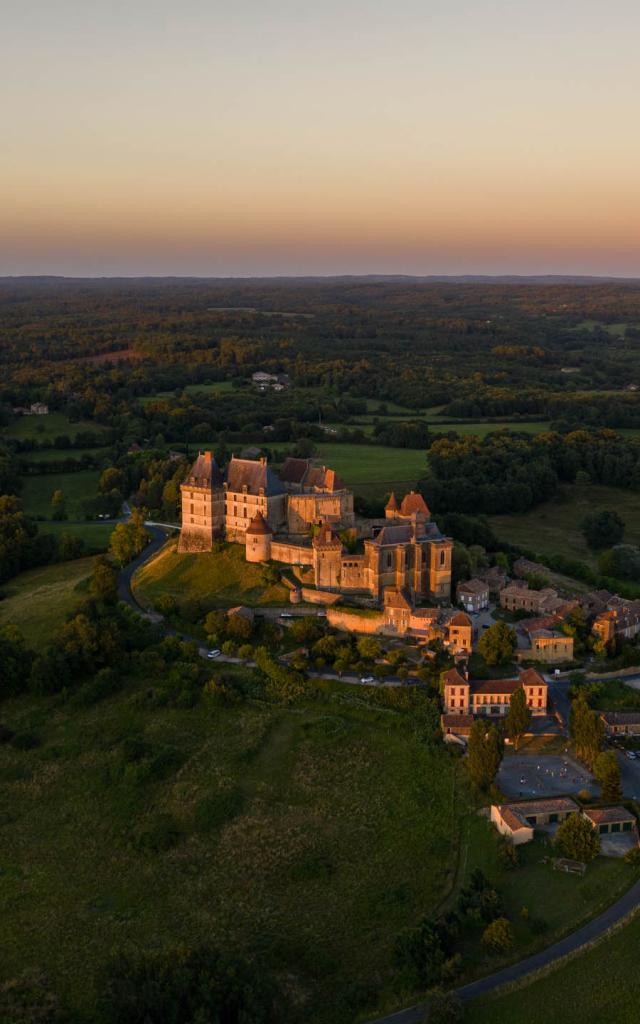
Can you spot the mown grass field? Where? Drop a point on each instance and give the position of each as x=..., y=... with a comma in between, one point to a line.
x=601, y=986
x=373, y=470
x=54, y=454
x=46, y=428
x=77, y=488
x=95, y=535
x=310, y=835
x=39, y=600
x=553, y=528
x=218, y=579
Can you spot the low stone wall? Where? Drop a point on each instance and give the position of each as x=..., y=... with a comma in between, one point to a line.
x=354, y=623
x=291, y=554
x=319, y=596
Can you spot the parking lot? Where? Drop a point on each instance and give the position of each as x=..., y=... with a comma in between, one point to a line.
x=527, y=775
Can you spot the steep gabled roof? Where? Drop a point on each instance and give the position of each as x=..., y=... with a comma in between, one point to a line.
x=412, y=503
x=531, y=677
x=453, y=678
x=396, y=597
x=460, y=619
x=323, y=479
x=392, y=504
x=255, y=476
x=294, y=470
x=325, y=538
x=205, y=471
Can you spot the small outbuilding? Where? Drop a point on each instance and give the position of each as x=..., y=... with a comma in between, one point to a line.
x=517, y=821
x=611, y=819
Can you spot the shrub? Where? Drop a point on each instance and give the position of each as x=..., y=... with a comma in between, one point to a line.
x=633, y=856
x=185, y=986
x=444, y=1008
x=25, y=741
x=498, y=936
x=160, y=834
x=216, y=809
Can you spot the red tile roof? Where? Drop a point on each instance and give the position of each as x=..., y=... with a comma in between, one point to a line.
x=412, y=503
x=608, y=815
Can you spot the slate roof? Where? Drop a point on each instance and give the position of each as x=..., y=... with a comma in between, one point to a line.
x=255, y=476
x=397, y=533
x=205, y=471
x=294, y=470
x=259, y=525
x=621, y=717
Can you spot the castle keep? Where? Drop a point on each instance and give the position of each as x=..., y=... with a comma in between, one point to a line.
x=302, y=515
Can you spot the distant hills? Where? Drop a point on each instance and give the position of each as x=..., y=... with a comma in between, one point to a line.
x=539, y=279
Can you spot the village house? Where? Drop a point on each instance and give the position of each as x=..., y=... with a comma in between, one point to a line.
x=39, y=409
x=491, y=697
x=300, y=516
x=494, y=577
x=517, y=821
x=473, y=595
x=620, y=621
x=517, y=596
x=547, y=645
x=621, y=723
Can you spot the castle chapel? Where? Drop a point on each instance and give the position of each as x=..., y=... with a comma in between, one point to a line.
x=299, y=517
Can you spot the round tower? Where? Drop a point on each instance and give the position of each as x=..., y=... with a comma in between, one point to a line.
x=258, y=540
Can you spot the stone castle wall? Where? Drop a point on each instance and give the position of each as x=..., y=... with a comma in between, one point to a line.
x=291, y=554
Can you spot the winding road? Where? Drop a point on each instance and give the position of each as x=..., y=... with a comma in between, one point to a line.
x=589, y=933
x=583, y=937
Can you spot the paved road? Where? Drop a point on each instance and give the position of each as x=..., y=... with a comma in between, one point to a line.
x=589, y=932
x=125, y=594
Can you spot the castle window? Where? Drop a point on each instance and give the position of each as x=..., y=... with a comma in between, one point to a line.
x=442, y=556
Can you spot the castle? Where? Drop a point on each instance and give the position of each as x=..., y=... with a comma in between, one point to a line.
x=303, y=515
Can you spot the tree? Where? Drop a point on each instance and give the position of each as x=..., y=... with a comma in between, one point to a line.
x=444, y=1008
x=607, y=773
x=15, y=661
x=104, y=581
x=498, y=936
x=128, y=539
x=578, y=839
x=57, y=506
x=185, y=986
x=485, y=753
x=368, y=648
x=621, y=561
x=518, y=716
x=498, y=643
x=586, y=730
x=602, y=529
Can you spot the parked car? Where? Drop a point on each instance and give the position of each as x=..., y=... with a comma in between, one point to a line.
x=214, y=654
x=285, y=615
x=367, y=679
x=631, y=754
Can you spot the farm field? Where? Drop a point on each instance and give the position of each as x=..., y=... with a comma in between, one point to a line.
x=218, y=387
x=76, y=487
x=39, y=600
x=373, y=470
x=333, y=808
x=96, y=535
x=55, y=454
x=43, y=428
x=218, y=579
x=553, y=528
x=601, y=986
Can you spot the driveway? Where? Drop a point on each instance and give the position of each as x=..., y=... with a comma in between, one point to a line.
x=630, y=775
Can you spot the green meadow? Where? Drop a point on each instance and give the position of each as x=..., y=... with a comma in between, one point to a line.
x=77, y=488
x=39, y=600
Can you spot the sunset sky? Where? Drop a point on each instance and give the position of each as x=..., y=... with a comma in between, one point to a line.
x=263, y=137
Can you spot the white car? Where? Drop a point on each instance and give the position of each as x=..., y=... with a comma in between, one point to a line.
x=631, y=754
x=285, y=615
x=367, y=679
x=214, y=654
